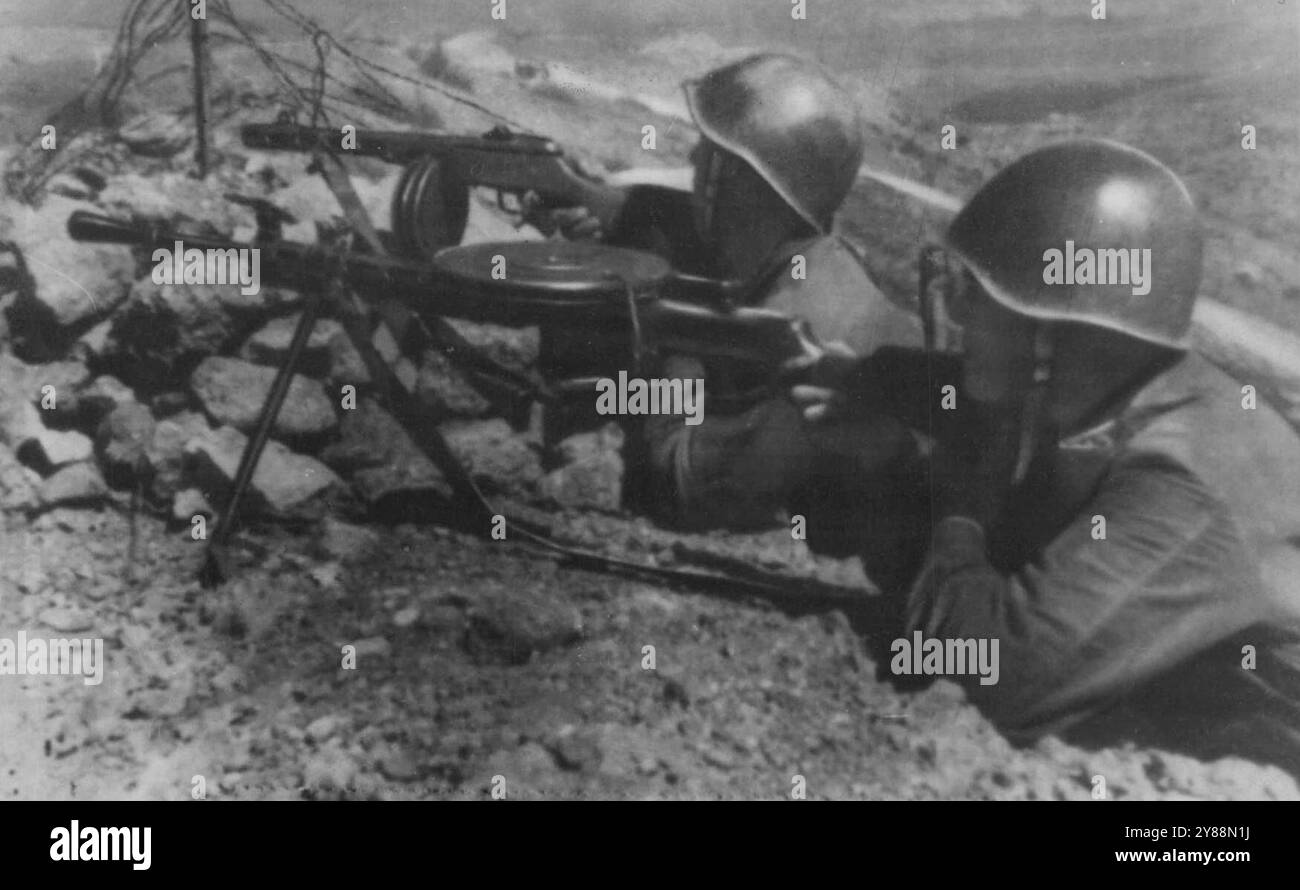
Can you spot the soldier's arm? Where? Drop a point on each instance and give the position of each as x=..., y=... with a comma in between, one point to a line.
x=854, y=481
x=650, y=218
x=907, y=384
x=731, y=469
x=660, y=220
x=1093, y=618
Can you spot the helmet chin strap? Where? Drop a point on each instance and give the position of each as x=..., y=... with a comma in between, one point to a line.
x=712, y=179
x=1032, y=413
x=925, y=301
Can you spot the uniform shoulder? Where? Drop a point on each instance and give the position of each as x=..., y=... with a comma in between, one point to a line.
x=835, y=247
x=817, y=261
x=832, y=290
x=1197, y=416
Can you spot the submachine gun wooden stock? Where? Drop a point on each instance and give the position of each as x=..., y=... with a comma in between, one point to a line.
x=431, y=203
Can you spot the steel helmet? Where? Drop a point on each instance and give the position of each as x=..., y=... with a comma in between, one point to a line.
x=1091, y=195
x=788, y=120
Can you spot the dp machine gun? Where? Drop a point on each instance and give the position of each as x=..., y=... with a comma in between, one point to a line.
x=629, y=298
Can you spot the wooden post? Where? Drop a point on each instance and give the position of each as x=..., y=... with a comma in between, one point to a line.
x=199, y=48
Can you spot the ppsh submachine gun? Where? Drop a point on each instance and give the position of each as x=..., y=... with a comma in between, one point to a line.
x=614, y=295
x=531, y=175
x=431, y=202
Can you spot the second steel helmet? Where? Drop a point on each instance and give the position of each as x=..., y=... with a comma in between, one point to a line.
x=791, y=122
x=1078, y=197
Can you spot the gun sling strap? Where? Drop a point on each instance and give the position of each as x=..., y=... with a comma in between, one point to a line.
x=741, y=581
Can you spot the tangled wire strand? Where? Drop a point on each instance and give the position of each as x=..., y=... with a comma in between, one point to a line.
x=366, y=66
x=162, y=20
x=309, y=88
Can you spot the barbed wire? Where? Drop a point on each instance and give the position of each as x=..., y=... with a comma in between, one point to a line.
x=300, y=98
x=303, y=86
x=335, y=101
x=164, y=20
x=292, y=13
x=304, y=23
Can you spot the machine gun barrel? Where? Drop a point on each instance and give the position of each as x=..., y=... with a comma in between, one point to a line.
x=700, y=325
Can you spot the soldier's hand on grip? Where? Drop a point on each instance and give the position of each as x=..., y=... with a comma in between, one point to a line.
x=818, y=392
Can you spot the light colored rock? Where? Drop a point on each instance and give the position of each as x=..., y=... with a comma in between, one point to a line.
x=70, y=186
x=270, y=345
x=509, y=625
x=322, y=728
x=166, y=452
x=577, y=749
x=330, y=770
x=233, y=391
x=383, y=460
x=29, y=381
x=346, y=364
x=163, y=192
x=166, y=327
x=74, y=282
x=19, y=485
x=190, y=502
x=68, y=621
x=373, y=647
x=591, y=472
x=346, y=542
x=310, y=200
x=123, y=439
x=95, y=343
x=20, y=421
x=282, y=482
x=326, y=575
x=494, y=454
x=230, y=679
x=13, y=278
x=445, y=386
x=406, y=617
x=61, y=447
x=98, y=398
x=74, y=484
x=398, y=764
x=156, y=134
x=442, y=384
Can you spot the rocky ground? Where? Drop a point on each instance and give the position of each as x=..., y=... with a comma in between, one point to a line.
x=470, y=659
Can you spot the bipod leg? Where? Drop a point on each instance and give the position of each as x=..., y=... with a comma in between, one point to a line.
x=407, y=408
x=215, y=567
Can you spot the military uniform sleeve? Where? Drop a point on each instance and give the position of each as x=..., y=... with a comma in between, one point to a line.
x=1090, y=620
x=731, y=469
x=907, y=384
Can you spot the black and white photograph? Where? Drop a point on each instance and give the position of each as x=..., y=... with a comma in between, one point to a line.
x=738, y=400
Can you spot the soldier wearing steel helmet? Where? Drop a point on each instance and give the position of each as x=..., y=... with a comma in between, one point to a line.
x=780, y=146
x=1102, y=502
